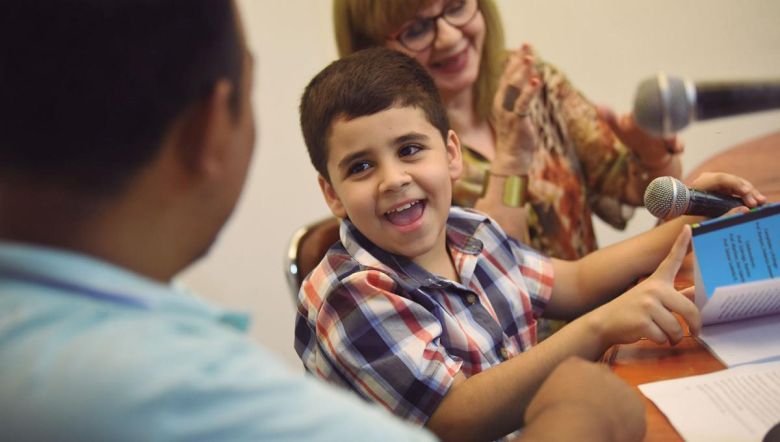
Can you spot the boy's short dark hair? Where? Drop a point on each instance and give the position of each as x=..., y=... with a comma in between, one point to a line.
x=364, y=83
x=88, y=88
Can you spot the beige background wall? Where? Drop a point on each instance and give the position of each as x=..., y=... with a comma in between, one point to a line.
x=605, y=46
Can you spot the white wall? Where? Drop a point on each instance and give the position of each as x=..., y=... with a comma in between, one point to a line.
x=605, y=46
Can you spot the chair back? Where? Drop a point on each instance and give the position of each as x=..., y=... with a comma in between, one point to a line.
x=306, y=249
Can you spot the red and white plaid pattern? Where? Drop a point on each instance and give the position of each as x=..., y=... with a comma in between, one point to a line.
x=397, y=335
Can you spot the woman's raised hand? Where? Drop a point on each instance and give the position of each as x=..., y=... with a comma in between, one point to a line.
x=653, y=152
x=515, y=138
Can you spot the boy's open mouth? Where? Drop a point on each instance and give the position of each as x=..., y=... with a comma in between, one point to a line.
x=406, y=214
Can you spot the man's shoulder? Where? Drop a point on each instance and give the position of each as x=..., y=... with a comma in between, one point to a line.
x=159, y=378
x=131, y=376
x=99, y=341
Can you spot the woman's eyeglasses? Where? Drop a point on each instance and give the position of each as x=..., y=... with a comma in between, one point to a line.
x=421, y=33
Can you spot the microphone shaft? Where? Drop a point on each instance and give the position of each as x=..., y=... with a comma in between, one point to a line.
x=714, y=100
x=710, y=205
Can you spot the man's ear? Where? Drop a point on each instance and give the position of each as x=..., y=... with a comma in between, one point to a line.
x=454, y=155
x=331, y=198
x=206, y=132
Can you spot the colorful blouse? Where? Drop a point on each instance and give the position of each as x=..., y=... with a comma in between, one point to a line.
x=580, y=168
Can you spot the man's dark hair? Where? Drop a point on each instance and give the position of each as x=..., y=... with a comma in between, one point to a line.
x=364, y=83
x=88, y=88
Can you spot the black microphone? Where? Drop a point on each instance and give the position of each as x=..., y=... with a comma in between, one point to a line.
x=668, y=197
x=666, y=104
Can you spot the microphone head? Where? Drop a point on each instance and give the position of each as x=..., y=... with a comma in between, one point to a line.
x=667, y=197
x=663, y=105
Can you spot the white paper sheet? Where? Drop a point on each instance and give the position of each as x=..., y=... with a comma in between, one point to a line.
x=736, y=404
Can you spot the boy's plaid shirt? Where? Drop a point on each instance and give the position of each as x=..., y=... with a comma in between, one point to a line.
x=380, y=325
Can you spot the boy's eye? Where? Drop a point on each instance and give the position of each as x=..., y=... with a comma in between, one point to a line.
x=409, y=149
x=357, y=168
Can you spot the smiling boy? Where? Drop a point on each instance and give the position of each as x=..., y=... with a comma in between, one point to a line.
x=422, y=307
x=413, y=156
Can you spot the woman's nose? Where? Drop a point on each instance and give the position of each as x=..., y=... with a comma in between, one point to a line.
x=446, y=34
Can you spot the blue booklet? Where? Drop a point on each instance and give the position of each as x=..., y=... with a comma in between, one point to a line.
x=738, y=285
x=737, y=270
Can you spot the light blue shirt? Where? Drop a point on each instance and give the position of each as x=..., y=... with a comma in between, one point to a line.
x=89, y=351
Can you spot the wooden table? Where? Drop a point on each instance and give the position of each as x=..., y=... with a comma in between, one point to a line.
x=646, y=361
x=754, y=159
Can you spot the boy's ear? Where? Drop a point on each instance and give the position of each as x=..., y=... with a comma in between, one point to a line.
x=454, y=155
x=206, y=132
x=331, y=198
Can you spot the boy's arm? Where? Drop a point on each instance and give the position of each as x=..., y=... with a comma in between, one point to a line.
x=580, y=400
x=582, y=285
x=491, y=404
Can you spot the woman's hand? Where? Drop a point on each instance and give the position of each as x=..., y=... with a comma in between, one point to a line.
x=728, y=184
x=653, y=152
x=515, y=139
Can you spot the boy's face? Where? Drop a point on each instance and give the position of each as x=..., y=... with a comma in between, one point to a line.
x=391, y=175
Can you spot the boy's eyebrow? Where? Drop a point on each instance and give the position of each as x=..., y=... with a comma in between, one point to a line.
x=405, y=138
x=411, y=136
x=345, y=162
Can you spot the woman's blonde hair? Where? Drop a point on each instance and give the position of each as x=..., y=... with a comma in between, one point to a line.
x=361, y=24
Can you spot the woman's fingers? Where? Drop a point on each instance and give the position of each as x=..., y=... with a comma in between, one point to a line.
x=518, y=83
x=730, y=184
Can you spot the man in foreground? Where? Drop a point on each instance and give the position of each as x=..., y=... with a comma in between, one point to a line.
x=127, y=131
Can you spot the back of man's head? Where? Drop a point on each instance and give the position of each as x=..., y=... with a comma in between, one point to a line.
x=88, y=88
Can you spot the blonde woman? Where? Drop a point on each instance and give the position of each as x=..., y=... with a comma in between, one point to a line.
x=540, y=158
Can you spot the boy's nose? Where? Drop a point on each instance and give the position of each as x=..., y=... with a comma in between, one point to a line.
x=394, y=179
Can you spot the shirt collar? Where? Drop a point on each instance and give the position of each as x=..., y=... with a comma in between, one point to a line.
x=79, y=275
x=462, y=225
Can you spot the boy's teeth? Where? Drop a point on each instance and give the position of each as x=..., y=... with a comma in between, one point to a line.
x=402, y=208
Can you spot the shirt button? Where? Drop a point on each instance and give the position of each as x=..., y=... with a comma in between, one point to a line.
x=504, y=353
x=471, y=299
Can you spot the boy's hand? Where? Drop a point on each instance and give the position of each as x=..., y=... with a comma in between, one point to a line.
x=728, y=184
x=646, y=310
